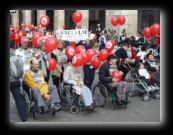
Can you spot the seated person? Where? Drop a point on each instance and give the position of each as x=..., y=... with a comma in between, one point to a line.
x=72, y=75
x=105, y=77
x=143, y=53
x=143, y=72
x=42, y=92
x=152, y=67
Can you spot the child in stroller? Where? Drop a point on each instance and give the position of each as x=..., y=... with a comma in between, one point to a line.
x=145, y=83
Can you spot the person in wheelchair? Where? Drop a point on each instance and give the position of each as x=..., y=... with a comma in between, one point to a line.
x=105, y=77
x=42, y=92
x=72, y=75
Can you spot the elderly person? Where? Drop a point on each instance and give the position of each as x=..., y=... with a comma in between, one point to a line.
x=72, y=75
x=24, y=53
x=42, y=92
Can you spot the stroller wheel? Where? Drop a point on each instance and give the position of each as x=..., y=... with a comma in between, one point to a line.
x=156, y=95
x=145, y=97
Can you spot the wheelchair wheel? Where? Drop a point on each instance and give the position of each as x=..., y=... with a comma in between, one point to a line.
x=74, y=109
x=145, y=97
x=100, y=93
x=65, y=97
x=156, y=95
x=27, y=101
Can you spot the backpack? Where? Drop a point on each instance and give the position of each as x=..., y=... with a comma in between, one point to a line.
x=16, y=69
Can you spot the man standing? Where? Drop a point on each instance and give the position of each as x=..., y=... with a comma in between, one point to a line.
x=24, y=53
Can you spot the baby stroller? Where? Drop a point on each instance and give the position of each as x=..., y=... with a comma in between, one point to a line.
x=139, y=84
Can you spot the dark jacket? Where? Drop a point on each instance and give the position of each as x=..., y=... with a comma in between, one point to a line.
x=149, y=68
x=104, y=73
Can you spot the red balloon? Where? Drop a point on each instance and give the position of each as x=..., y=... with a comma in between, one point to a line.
x=51, y=64
x=116, y=74
x=69, y=51
x=96, y=62
x=72, y=43
x=44, y=20
x=147, y=32
x=155, y=29
x=90, y=53
x=77, y=60
x=121, y=20
x=51, y=44
x=85, y=57
x=11, y=35
x=35, y=37
x=114, y=20
x=110, y=44
x=103, y=54
x=77, y=17
x=78, y=26
x=63, y=26
x=20, y=34
x=80, y=49
x=23, y=25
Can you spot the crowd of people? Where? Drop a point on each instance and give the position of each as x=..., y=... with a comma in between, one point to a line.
x=45, y=83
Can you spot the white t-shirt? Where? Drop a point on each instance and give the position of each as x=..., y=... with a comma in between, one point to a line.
x=144, y=72
x=142, y=55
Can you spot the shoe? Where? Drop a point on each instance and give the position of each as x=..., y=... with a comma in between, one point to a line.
x=55, y=107
x=23, y=121
x=89, y=107
x=59, y=107
x=41, y=109
x=119, y=102
x=124, y=101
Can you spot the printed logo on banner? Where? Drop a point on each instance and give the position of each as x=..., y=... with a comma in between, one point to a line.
x=154, y=51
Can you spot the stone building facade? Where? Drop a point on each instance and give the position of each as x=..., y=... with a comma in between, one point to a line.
x=136, y=20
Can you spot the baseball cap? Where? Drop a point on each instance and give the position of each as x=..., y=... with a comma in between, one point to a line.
x=112, y=56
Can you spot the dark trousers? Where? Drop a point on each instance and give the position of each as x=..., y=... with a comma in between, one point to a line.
x=88, y=75
x=56, y=80
x=19, y=100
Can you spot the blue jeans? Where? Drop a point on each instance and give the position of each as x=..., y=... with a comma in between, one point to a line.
x=19, y=100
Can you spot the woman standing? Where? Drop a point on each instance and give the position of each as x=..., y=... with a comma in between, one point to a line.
x=61, y=59
x=88, y=69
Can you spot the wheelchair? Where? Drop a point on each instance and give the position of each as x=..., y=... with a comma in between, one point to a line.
x=32, y=106
x=102, y=91
x=70, y=99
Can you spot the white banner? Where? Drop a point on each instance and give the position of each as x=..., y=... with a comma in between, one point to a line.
x=72, y=35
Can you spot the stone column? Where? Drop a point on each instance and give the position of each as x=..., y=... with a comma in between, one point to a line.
x=85, y=19
x=39, y=14
x=15, y=18
x=131, y=22
x=108, y=17
x=27, y=17
x=59, y=19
